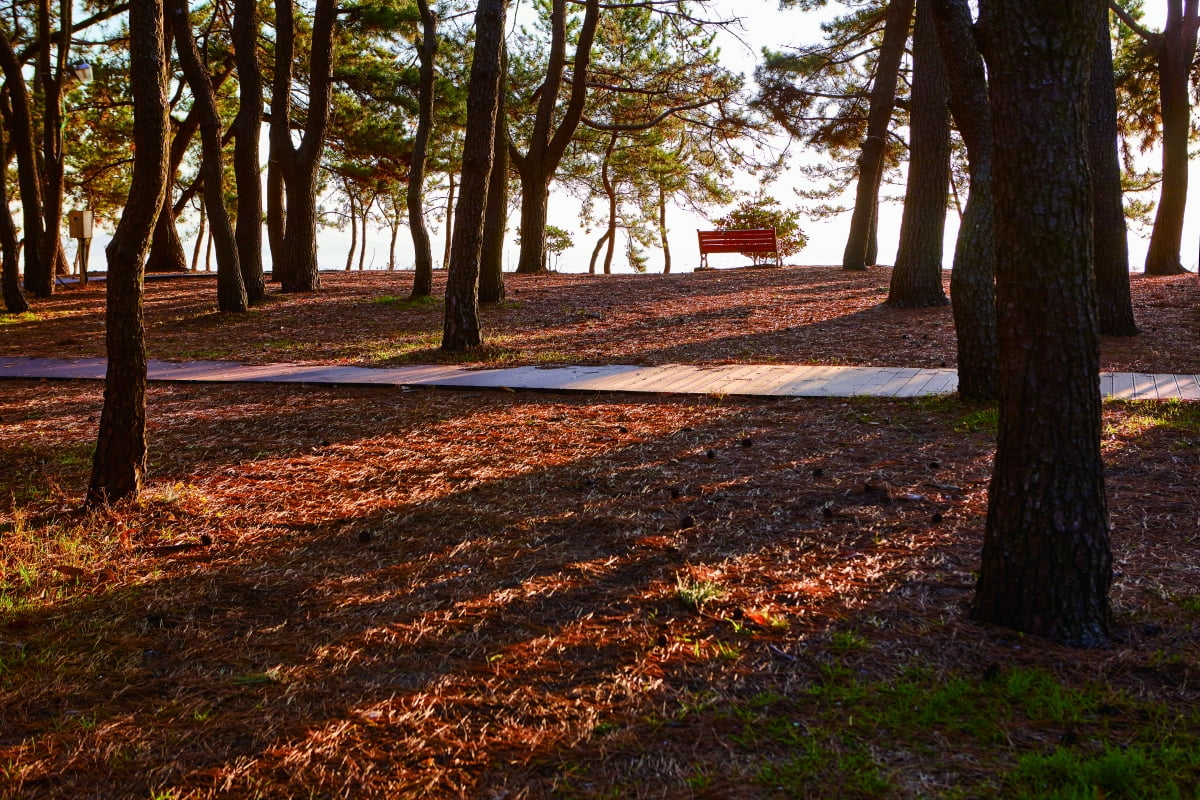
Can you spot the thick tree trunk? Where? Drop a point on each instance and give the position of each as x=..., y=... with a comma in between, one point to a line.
x=10, y=277
x=422, y=248
x=1046, y=564
x=461, y=328
x=870, y=160
x=247, y=127
x=547, y=143
x=231, y=292
x=166, y=248
x=120, y=458
x=917, y=277
x=1111, y=245
x=38, y=270
x=972, y=279
x=535, y=203
x=300, y=230
x=1175, y=48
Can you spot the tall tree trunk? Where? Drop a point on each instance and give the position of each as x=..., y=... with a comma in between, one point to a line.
x=353, y=236
x=201, y=233
x=247, y=127
x=231, y=292
x=10, y=277
x=610, y=193
x=547, y=143
x=972, y=279
x=276, y=214
x=297, y=265
x=491, y=264
x=1175, y=48
x=1046, y=564
x=38, y=270
x=422, y=249
x=1111, y=244
x=120, y=458
x=461, y=328
x=451, y=199
x=50, y=77
x=917, y=277
x=870, y=160
x=662, y=230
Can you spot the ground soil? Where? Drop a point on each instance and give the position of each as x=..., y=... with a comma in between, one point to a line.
x=794, y=315
x=382, y=593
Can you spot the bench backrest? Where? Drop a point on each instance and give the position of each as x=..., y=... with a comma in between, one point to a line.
x=753, y=240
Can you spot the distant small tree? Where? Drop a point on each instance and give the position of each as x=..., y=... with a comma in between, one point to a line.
x=558, y=241
x=764, y=211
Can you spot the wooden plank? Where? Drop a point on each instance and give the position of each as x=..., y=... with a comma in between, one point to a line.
x=805, y=382
x=1143, y=387
x=1189, y=386
x=766, y=378
x=732, y=379
x=1106, y=385
x=1123, y=386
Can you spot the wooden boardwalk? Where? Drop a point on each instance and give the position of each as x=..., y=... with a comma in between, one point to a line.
x=757, y=380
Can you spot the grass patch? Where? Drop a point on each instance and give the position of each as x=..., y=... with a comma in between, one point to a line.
x=408, y=301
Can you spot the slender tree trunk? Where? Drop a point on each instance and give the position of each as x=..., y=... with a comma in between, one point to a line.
x=276, y=213
x=1111, y=249
x=1046, y=564
x=461, y=328
x=38, y=271
x=120, y=458
x=604, y=237
x=917, y=277
x=662, y=230
x=422, y=248
x=972, y=279
x=610, y=193
x=362, y=250
x=451, y=198
x=247, y=127
x=491, y=265
x=201, y=233
x=870, y=160
x=353, y=236
x=1175, y=48
x=231, y=292
x=50, y=77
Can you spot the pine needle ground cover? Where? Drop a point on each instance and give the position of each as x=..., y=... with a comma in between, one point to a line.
x=794, y=315
x=378, y=593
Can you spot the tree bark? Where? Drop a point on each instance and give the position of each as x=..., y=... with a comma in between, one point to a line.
x=247, y=126
x=231, y=292
x=662, y=230
x=296, y=265
x=491, y=264
x=461, y=328
x=422, y=248
x=917, y=276
x=1111, y=244
x=50, y=76
x=1046, y=564
x=972, y=277
x=120, y=459
x=10, y=278
x=870, y=160
x=1175, y=49
x=38, y=271
x=547, y=143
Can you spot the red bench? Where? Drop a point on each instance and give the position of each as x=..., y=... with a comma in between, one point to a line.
x=751, y=242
